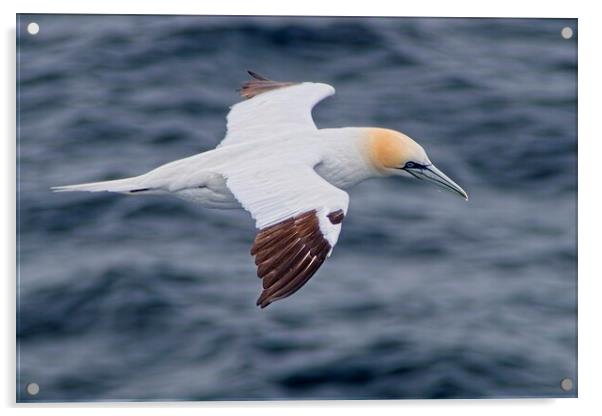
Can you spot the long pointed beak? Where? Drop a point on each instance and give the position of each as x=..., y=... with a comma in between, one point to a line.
x=433, y=175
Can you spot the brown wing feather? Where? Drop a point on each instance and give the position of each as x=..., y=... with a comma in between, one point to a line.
x=259, y=85
x=288, y=254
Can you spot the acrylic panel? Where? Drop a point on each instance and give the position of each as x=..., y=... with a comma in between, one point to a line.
x=137, y=294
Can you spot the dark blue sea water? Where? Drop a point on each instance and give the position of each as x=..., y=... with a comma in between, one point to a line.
x=425, y=296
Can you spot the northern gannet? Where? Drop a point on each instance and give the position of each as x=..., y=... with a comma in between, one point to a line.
x=288, y=174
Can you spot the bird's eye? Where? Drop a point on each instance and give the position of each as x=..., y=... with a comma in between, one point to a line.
x=414, y=165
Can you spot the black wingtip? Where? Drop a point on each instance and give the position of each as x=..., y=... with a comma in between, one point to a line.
x=256, y=75
x=263, y=303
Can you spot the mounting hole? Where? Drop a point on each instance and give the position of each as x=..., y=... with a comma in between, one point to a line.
x=33, y=28
x=32, y=389
x=566, y=384
x=566, y=33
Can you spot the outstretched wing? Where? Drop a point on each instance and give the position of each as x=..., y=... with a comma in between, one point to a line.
x=299, y=218
x=272, y=109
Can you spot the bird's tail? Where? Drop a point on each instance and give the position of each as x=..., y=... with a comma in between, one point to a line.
x=127, y=186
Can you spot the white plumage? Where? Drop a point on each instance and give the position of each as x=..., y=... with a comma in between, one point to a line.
x=263, y=117
x=287, y=174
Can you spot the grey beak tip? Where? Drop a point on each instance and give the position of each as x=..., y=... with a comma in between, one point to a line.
x=431, y=174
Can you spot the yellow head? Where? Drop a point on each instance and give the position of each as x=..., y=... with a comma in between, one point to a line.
x=390, y=149
x=394, y=153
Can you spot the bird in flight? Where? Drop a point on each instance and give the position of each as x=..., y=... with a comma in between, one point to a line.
x=288, y=174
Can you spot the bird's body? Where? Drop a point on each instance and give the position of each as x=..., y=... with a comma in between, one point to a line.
x=202, y=178
x=288, y=174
